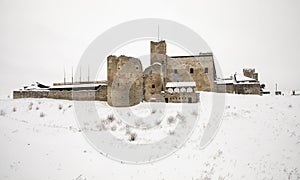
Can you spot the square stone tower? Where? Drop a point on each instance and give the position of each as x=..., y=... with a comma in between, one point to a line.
x=250, y=72
x=158, y=52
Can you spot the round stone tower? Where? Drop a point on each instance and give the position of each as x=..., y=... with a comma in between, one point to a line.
x=124, y=81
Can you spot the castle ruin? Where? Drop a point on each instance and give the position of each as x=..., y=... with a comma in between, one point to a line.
x=176, y=79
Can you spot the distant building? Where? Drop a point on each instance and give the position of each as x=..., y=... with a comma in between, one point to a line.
x=240, y=84
x=78, y=91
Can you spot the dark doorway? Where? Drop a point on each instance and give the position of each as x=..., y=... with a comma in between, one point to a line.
x=191, y=70
x=190, y=100
x=166, y=100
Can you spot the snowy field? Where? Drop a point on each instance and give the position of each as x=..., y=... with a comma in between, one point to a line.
x=258, y=138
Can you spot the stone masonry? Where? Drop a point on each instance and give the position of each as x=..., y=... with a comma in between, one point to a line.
x=124, y=81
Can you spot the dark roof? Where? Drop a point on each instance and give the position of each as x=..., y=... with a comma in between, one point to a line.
x=78, y=87
x=41, y=85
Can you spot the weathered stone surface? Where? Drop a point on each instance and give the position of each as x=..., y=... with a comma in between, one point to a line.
x=247, y=88
x=224, y=88
x=250, y=72
x=86, y=95
x=199, y=68
x=124, y=81
x=153, y=82
x=158, y=51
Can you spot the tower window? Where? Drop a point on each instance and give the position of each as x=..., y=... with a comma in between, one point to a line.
x=153, y=85
x=175, y=71
x=137, y=68
x=191, y=70
x=206, y=70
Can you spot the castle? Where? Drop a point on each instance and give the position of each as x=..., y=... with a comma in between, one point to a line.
x=167, y=79
x=176, y=79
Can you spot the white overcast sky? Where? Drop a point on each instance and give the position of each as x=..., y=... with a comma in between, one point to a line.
x=39, y=38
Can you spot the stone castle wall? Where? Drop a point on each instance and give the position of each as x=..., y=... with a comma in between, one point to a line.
x=199, y=69
x=225, y=88
x=30, y=94
x=242, y=88
x=85, y=95
x=153, y=82
x=124, y=81
x=247, y=88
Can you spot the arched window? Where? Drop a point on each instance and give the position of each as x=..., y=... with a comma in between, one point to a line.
x=189, y=89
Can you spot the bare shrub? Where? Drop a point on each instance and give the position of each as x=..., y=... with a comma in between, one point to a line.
x=171, y=119
x=2, y=113
x=171, y=132
x=14, y=109
x=42, y=114
x=290, y=106
x=180, y=116
x=60, y=107
x=153, y=111
x=70, y=106
x=113, y=128
x=30, y=106
x=111, y=118
x=157, y=122
x=195, y=113
x=119, y=122
x=133, y=137
x=37, y=108
x=103, y=125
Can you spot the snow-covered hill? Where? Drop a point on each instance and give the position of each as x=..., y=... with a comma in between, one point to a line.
x=259, y=138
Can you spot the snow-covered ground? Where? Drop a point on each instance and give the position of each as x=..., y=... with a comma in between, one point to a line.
x=259, y=138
